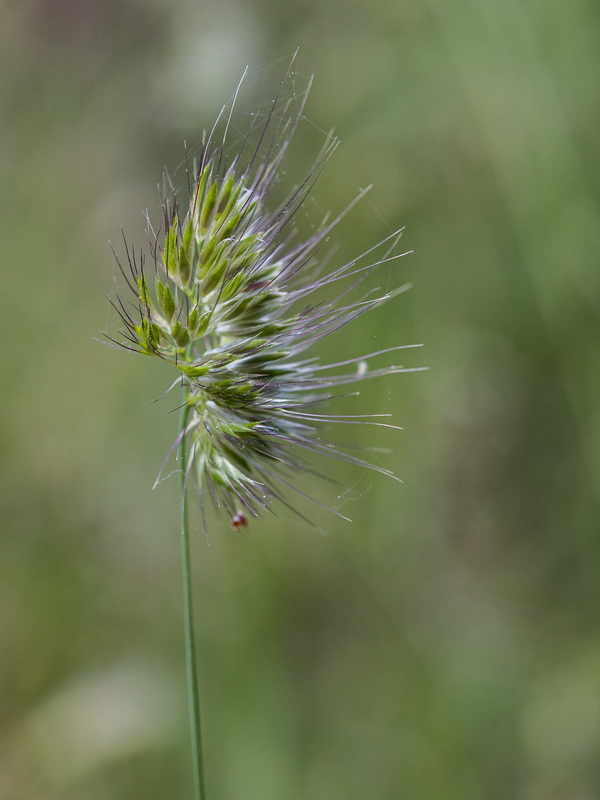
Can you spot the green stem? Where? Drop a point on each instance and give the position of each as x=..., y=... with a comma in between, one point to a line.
x=190, y=650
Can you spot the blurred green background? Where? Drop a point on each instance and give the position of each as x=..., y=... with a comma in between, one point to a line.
x=446, y=644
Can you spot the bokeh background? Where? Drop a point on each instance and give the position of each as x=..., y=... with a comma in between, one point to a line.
x=446, y=644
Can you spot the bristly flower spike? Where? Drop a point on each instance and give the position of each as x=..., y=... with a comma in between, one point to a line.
x=226, y=306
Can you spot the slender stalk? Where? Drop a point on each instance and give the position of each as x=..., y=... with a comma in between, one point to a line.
x=188, y=613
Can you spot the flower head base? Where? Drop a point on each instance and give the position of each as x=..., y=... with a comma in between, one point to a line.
x=227, y=306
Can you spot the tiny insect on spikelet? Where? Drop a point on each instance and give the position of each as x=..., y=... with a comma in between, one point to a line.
x=226, y=303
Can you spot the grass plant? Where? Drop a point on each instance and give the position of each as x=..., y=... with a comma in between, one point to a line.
x=235, y=301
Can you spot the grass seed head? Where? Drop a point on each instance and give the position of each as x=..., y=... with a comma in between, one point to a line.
x=226, y=303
